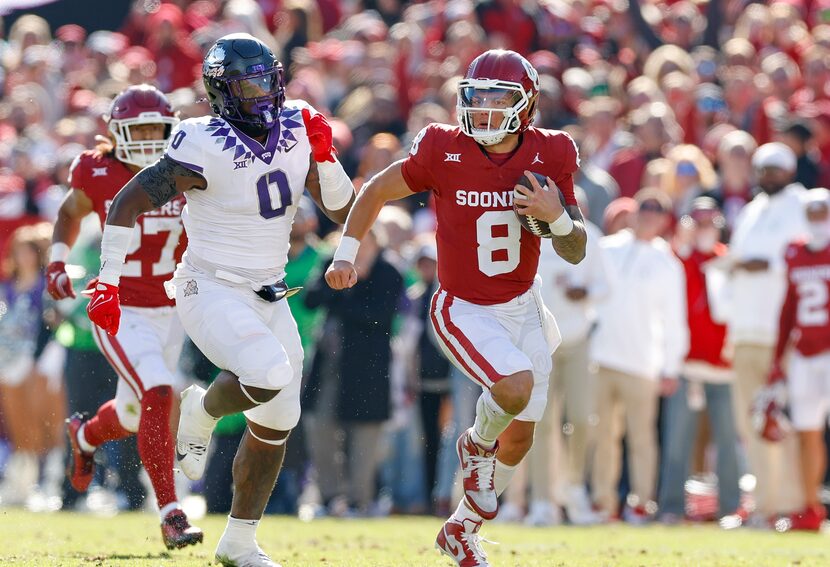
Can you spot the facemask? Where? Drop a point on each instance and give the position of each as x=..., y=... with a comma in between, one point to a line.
x=819, y=234
x=705, y=240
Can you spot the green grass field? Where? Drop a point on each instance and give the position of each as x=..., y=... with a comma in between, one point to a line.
x=40, y=540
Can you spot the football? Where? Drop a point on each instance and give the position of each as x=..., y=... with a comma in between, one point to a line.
x=530, y=223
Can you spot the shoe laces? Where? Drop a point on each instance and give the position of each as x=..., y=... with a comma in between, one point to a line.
x=473, y=542
x=260, y=556
x=195, y=448
x=486, y=469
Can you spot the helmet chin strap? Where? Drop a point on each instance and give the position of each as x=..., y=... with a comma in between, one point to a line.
x=489, y=139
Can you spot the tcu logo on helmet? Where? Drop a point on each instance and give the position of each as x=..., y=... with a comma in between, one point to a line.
x=215, y=71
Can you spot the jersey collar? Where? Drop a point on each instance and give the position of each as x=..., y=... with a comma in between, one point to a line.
x=264, y=153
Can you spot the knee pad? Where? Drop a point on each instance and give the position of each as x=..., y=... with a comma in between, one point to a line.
x=262, y=398
x=279, y=414
x=261, y=367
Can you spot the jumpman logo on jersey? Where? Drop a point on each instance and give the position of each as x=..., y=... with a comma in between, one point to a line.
x=99, y=171
x=536, y=159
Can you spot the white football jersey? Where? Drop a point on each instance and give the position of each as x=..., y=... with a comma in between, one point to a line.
x=241, y=222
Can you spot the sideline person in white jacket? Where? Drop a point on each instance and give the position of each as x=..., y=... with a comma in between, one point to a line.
x=638, y=348
x=755, y=293
x=571, y=292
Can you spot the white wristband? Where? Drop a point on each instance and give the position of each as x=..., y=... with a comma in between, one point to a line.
x=347, y=250
x=563, y=225
x=114, y=246
x=59, y=252
x=336, y=189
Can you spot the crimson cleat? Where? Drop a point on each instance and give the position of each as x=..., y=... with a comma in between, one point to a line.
x=460, y=541
x=808, y=520
x=81, y=467
x=177, y=532
x=478, y=466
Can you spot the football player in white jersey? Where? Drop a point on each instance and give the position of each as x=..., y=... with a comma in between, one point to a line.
x=242, y=172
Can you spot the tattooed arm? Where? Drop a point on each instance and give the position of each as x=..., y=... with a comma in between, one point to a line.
x=152, y=187
x=550, y=206
x=571, y=247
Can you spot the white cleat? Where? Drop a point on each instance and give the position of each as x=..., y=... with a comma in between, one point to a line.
x=195, y=430
x=460, y=542
x=252, y=557
x=579, y=509
x=541, y=514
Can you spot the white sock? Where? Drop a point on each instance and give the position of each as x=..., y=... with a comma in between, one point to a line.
x=167, y=509
x=241, y=532
x=503, y=475
x=203, y=417
x=464, y=513
x=491, y=421
x=82, y=442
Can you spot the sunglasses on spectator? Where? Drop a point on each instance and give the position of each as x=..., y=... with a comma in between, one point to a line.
x=686, y=168
x=652, y=207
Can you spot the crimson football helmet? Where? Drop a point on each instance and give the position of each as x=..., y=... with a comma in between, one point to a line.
x=501, y=82
x=138, y=105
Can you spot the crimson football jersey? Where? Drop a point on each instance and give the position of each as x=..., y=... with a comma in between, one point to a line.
x=484, y=255
x=805, y=315
x=158, y=242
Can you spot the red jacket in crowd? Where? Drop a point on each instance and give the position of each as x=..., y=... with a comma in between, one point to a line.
x=706, y=337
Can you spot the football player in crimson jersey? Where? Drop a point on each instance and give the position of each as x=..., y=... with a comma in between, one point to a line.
x=805, y=326
x=487, y=314
x=145, y=352
x=243, y=171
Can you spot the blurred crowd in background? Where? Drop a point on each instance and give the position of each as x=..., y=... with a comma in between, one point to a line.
x=669, y=103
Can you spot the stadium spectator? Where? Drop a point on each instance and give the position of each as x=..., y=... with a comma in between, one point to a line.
x=363, y=321
x=655, y=130
x=689, y=175
x=798, y=135
x=706, y=377
x=736, y=175
x=432, y=369
x=572, y=293
x=763, y=229
x=639, y=346
x=31, y=395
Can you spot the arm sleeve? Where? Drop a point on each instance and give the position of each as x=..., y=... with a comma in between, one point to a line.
x=186, y=148
x=566, y=149
x=676, y=327
x=786, y=322
x=416, y=168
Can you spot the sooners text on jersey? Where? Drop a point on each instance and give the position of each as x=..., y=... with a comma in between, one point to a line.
x=808, y=298
x=158, y=241
x=484, y=255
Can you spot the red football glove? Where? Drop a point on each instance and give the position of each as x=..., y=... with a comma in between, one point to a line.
x=58, y=283
x=319, y=135
x=768, y=415
x=103, y=308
